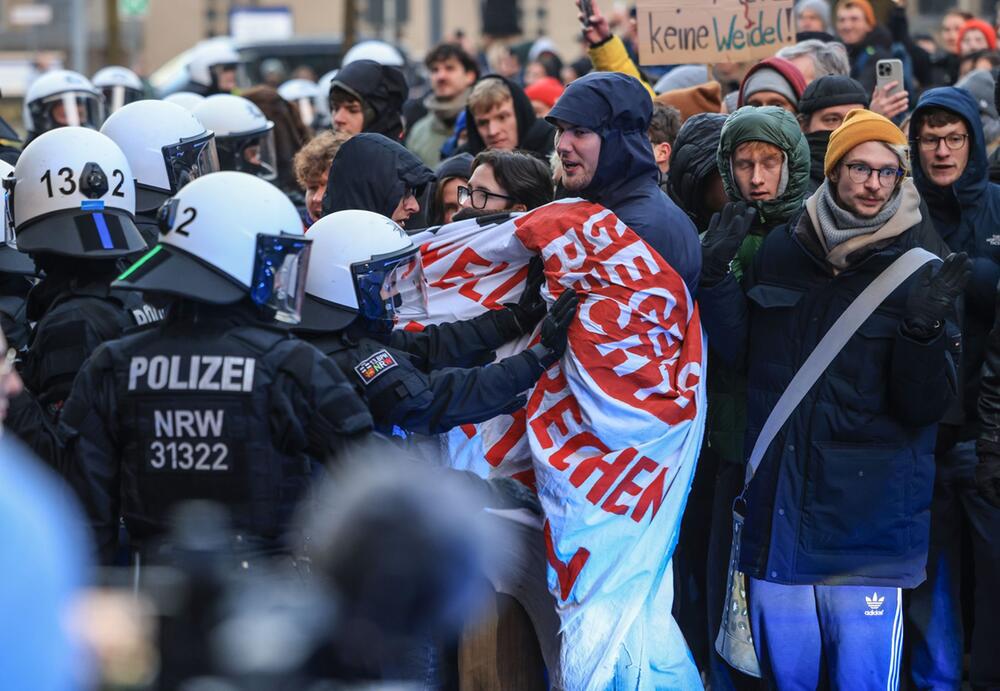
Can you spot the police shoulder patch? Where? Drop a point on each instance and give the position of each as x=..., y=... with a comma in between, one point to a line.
x=375, y=365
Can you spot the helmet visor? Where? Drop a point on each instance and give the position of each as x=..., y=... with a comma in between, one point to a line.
x=117, y=96
x=190, y=159
x=74, y=109
x=279, y=275
x=8, y=219
x=393, y=287
x=306, y=111
x=252, y=153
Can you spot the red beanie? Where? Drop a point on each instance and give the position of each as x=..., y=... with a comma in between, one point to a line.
x=546, y=90
x=978, y=25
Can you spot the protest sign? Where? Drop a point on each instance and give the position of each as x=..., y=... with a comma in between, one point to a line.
x=676, y=32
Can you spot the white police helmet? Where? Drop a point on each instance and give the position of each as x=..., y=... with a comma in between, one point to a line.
x=209, y=59
x=363, y=264
x=381, y=52
x=323, y=99
x=62, y=98
x=11, y=260
x=244, y=137
x=302, y=93
x=185, y=99
x=226, y=236
x=120, y=86
x=72, y=193
x=166, y=147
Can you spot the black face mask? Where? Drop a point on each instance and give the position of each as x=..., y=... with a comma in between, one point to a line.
x=818, y=143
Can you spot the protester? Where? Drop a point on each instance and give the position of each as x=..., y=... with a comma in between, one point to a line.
x=763, y=159
x=982, y=86
x=816, y=58
x=452, y=72
x=504, y=181
x=499, y=116
x=974, y=36
x=663, y=127
x=601, y=122
x=866, y=42
x=373, y=173
x=704, y=98
x=813, y=15
x=607, y=52
x=693, y=181
x=822, y=109
x=289, y=135
x=312, y=167
x=831, y=532
x=450, y=175
x=950, y=172
x=368, y=97
x=543, y=94
x=772, y=82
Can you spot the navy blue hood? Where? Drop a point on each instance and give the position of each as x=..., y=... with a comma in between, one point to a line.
x=618, y=108
x=968, y=190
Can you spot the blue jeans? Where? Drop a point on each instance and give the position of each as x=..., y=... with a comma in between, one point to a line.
x=827, y=636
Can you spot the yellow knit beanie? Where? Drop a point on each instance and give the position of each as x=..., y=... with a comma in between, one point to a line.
x=862, y=126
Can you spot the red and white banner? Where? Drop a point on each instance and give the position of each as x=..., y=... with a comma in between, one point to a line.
x=610, y=435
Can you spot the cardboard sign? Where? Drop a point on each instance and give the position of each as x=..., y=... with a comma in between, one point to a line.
x=677, y=32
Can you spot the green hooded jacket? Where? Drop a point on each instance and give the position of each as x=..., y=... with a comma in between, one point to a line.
x=727, y=385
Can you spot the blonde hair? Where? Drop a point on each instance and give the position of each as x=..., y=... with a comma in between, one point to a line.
x=314, y=159
x=487, y=94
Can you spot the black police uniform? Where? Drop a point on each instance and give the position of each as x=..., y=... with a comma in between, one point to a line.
x=430, y=381
x=13, y=310
x=208, y=404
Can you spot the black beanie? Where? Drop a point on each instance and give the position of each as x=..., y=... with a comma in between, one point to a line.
x=832, y=90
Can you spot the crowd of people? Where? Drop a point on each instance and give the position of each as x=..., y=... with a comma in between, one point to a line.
x=202, y=298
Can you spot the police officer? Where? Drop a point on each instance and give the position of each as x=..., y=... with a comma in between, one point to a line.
x=72, y=199
x=244, y=137
x=166, y=147
x=16, y=270
x=119, y=86
x=366, y=275
x=213, y=68
x=61, y=98
x=216, y=402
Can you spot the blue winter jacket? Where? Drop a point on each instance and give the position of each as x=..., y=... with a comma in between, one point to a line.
x=843, y=493
x=618, y=108
x=967, y=216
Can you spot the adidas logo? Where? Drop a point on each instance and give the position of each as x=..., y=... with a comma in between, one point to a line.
x=874, y=605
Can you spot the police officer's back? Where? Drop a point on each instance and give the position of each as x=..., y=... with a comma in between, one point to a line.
x=366, y=275
x=73, y=207
x=215, y=402
x=16, y=273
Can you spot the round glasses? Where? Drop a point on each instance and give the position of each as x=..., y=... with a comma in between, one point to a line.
x=479, y=198
x=862, y=172
x=952, y=141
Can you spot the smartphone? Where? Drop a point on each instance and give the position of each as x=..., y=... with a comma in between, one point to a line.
x=586, y=9
x=887, y=71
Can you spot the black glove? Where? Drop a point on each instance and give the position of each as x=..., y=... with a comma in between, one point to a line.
x=988, y=478
x=530, y=308
x=555, y=329
x=932, y=298
x=722, y=240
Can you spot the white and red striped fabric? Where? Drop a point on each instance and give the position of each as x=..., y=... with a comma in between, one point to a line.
x=610, y=435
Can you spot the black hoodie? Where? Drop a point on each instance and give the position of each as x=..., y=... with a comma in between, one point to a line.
x=533, y=135
x=372, y=172
x=692, y=162
x=382, y=91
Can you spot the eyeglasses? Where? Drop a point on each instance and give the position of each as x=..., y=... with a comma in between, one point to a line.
x=952, y=141
x=862, y=172
x=479, y=198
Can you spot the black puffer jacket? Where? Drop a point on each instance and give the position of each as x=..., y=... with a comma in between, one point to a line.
x=692, y=161
x=533, y=134
x=382, y=91
x=372, y=172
